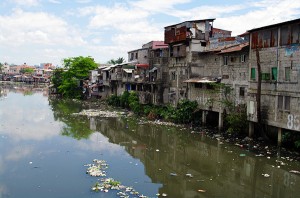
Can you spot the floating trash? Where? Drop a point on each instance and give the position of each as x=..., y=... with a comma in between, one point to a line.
x=200, y=190
x=294, y=171
x=189, y=175
x=97, y=169
x=265, y=175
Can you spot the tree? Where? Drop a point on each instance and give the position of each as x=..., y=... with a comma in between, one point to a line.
x=76, y=69
x=116, y=61
x=27, y=70
x=1, y=67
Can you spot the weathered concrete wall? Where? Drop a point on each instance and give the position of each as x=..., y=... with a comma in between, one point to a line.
x=280, y=97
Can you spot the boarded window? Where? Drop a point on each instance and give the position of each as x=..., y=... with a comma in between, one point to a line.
x=254, y=42
x=287, y=102
x=287, y=73
x=295, y=33
x=280, y=102
x=266, y=38
x=253, y=74
x=274, y=38
x=274, y=73
x=285, y=35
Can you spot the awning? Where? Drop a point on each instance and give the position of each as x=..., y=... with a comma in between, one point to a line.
x=128, y=70
x=200, y=80
x=142, y=65
x=153, y=69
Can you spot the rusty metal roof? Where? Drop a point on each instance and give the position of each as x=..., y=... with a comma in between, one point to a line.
x=235, y=48
x=275, y=25
x=192, y=21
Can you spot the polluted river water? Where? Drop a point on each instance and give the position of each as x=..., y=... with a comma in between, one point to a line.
x=49, y=149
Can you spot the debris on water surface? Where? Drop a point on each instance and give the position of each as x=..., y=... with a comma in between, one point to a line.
x=189, y=175
x=106, y=184
x=265, y=175
x=200, y=190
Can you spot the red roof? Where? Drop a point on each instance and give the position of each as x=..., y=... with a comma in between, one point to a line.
x=143, y=65
x=159, y=45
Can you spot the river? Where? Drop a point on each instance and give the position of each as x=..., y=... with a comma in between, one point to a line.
x=45, y=149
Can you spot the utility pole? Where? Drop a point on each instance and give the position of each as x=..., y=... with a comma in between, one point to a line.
x=258, y=94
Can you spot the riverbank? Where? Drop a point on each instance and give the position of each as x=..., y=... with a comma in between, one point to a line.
x=260, y=147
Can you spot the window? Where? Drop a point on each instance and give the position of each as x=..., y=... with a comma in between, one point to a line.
x=295, y=33
x=243, y=58
x=285, y=35
x=283, y=103
x=253, y=74
x=287, y=73
x=225, y=60
x=274, y=73
x=136, y=56
x=198, y=85
x=265, y=76
x=242, y=91
x=280, y=102
x=173, y=76
x=274, y=36
x=266, y=38
x=287, y=102
x=232, y=59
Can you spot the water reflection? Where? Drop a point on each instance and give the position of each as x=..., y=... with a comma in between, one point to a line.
x=176, y=161
x=76, y=127
x=186, y=163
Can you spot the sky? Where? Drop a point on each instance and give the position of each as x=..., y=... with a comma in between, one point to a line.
x=47, y=31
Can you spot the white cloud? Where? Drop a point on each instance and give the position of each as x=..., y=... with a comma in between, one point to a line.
x=265, y=13
x=83, y=1
x=55, y=1
x=158, y=6
x=26, y=2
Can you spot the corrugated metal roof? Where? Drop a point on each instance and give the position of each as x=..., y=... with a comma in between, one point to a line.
x=274, y=25
x=128, y=70
x=201, y=80
x=192, y=21
x=234, y=48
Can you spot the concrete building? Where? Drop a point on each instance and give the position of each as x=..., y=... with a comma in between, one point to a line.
x=279, y=53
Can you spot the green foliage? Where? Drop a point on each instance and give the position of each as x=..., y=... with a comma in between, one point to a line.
x=114, y=100
x=1, y=67
x=75, y=127
x=291, y=139
x=77, y=69
x=124, y=99
x=134, y=104
x=27, y=70
x=184, y=111
x=56, y=78
x=116, y=61
x=236, y=120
